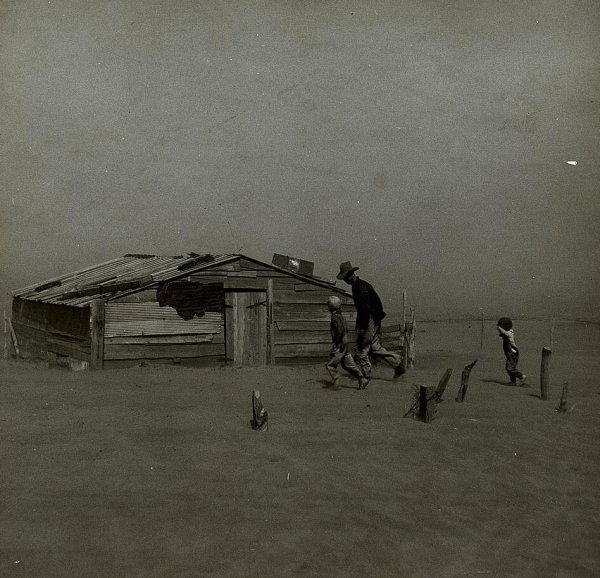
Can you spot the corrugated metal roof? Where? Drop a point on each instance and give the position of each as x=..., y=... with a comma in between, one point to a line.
x=83, y=286
x=125, y=274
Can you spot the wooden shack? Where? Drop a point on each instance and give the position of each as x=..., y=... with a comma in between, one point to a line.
x=192, y=308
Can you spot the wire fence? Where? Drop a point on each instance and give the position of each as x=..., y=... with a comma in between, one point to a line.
x=560, y=334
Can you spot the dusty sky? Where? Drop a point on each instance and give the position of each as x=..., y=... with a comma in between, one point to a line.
x=424, y=141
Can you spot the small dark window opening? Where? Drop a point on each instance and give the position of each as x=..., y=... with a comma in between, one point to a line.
x=191, y=299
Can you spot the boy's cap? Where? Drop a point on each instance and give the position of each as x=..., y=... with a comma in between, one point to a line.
x=505, y=323
x=345, y=269
x=334, y=302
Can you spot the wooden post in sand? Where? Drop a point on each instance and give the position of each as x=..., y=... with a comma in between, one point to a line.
x=464, y=382
x=562, y=404
x=405, y=340
x=411, y=341
x=260, y=417
x=427, y=403
x=423, y=403
x=545, y=372
x=439, y=390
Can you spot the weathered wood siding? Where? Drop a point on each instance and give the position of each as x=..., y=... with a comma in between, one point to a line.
x=44, y=329
x=246, y=327
x=300, y=315
x=302, y=322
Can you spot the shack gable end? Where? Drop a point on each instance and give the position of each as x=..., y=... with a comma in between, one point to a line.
x=300, y=319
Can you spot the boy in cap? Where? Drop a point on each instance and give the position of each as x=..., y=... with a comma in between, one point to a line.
x=511, y=352
x=369, y=314
x=339, y=350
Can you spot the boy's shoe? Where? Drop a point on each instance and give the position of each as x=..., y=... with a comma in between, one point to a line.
x=335, y=385
x=522, y=382
x=363, y=382
x=399, y=372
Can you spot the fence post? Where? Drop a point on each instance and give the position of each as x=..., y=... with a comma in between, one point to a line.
x=562, y=404
x=441, y=387
x=403, y=311
x=545, y=372
x=427, y=403
x=412, y=340
x=464, y=382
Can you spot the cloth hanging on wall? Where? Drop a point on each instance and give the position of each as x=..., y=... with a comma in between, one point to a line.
x=191, y=299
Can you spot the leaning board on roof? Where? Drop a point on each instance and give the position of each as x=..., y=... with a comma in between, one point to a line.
x=209, y=308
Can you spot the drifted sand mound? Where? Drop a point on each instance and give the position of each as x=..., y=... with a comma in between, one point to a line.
x=156, y=471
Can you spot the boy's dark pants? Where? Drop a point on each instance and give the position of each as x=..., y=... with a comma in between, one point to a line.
x=512, y=359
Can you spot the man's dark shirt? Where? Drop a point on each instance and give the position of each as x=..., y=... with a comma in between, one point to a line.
x=367, y=303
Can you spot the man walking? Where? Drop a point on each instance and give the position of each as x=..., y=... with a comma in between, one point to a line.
x=369, y=314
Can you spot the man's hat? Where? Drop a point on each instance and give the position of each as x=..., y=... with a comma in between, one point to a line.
x=345, y=270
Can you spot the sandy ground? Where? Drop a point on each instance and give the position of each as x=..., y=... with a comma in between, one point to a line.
x=155, y=471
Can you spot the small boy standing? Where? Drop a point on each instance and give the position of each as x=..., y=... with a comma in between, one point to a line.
x=339, y=353
x=511, y=352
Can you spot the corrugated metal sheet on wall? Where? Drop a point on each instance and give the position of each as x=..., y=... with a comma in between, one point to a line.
x=122, y=319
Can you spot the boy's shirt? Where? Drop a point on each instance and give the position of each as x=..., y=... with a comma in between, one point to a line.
x=338, y=330
x=508, y=341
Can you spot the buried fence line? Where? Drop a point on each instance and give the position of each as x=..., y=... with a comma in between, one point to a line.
x=476, y=330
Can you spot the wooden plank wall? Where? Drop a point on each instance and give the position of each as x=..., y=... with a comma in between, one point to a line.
x=302, y=322
x=45, y=329
x=300, y=316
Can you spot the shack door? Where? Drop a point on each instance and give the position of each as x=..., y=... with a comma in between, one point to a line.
x=246, y=327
